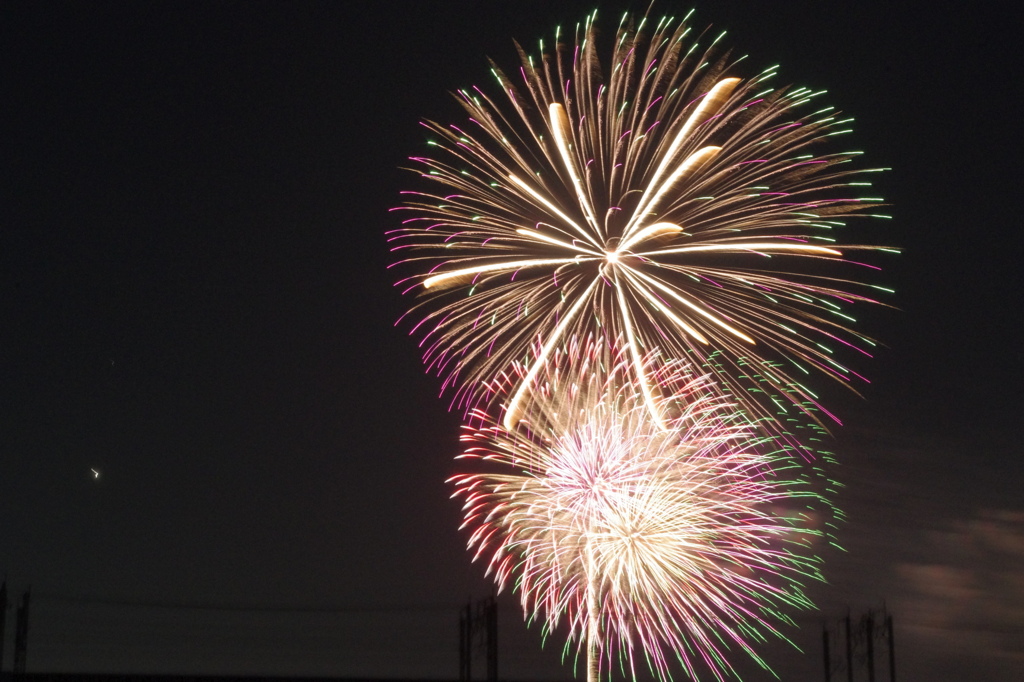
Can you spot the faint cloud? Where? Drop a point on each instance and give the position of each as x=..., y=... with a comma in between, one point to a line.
x=968, y=597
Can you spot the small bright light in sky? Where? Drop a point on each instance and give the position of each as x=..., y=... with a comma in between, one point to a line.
x=95, y=473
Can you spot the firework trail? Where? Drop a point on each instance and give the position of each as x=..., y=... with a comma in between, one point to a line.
x=638, y=261
x=644, y=540
x=662, y=199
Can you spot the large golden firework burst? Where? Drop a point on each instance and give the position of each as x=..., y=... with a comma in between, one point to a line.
x=659, y=196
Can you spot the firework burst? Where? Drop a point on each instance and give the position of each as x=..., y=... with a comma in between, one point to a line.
x=663, y=199
x=642, y=539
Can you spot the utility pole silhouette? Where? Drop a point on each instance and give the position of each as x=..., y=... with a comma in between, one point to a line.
x=3, y=621
x=860, y=640
x=478, y=631
x=21, y=634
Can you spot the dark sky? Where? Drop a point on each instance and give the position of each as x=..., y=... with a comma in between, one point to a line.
x=194, y=301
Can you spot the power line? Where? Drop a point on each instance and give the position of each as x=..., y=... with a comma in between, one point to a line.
x=245, y=607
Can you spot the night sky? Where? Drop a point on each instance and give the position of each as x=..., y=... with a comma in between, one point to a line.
x=194, y=302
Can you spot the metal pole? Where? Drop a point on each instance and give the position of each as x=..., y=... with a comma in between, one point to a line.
x=892, y=648
x=21, y=634
x=465, y=642
x=849, y=650
x=828, y=658
x=3, y=621
x=492, y=639
x=869, y=635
